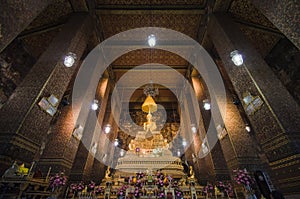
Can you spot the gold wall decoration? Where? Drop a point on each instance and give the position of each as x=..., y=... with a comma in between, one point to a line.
x=251, y=103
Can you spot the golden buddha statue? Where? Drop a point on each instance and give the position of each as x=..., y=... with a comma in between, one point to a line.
x=149, y=125
x=107, y=173
x=192, y=174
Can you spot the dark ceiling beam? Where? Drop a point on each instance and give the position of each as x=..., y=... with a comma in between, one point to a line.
x=222, y=5
x=40, y=30
x=79, y=5
x=151, y=9
x=203, y=22
x=148, y=12
x=259, y=27
x=91, y=5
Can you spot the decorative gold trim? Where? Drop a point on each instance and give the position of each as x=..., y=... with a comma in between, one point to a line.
x=56, y=161
x=296, y=184
x=285, y=159
x=276, y=140
x=278, y=145
x=25, y=143
x=286, y=165
x=289, y=179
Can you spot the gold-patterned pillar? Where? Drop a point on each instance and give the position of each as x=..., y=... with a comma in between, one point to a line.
x=284, y=14
x=88, y=147
x=16, y=16
x=62, y=144
x=23, y=123
x=109, y=147
x=276, y=122
x=215, y=159
x=98, y=168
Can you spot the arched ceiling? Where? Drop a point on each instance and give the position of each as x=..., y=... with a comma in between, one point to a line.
x=114, y=16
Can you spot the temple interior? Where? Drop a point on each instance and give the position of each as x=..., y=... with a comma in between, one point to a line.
x=150, y=99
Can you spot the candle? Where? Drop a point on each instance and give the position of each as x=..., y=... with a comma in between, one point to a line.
x=31, y=167
x=48, y=173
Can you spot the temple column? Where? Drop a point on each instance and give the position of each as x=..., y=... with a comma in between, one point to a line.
x=23, y=132
x=62, y=144
x=284, y=14
x=16, y=16
x=112, y=151
x=277, y=121
x=98, y=168
x=214, y=160
x=205, y=165
x=88, y=147
x=236, y=148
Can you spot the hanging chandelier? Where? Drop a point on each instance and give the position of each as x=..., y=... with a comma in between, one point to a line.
x=149, y=89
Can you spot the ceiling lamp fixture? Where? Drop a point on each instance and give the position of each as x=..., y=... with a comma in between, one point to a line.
x=122, y=152
x=116, y=142
x=107, y=129
x=247, y=127
x=178, y=153
x=206, y=104
x=194, y=128
x=236, y=58
x=69, y=59
x=184, y=143
x=149, y=89
x=95, y=105
x=151, y=40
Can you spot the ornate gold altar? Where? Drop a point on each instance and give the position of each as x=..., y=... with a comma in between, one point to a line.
x=149, y=170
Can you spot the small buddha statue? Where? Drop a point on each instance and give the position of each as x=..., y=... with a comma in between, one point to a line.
x=107, y=173
x=23, y=170
x=149, y=125
x=131, y=145
x=192, y=174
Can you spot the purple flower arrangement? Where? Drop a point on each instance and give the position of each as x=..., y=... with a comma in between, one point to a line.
x=91, y=186
x=74, y=188
x=57, y=181
x=242, y=177
x=99, y=190
x=137, y=182
x=228, y=189
x=208, y=189
x=160, y=179
x=178, y=193
x=225, y=187
x=221, y=186
x=122, y=190
x=161, y=194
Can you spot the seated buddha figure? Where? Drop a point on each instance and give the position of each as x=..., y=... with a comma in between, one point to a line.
x=131, y=145
x=149, y=125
